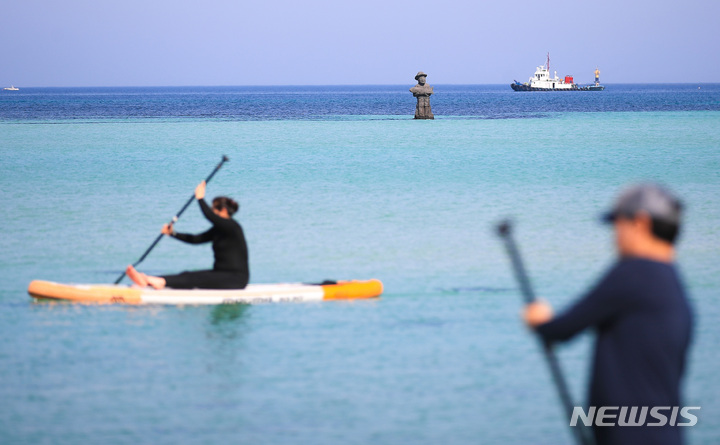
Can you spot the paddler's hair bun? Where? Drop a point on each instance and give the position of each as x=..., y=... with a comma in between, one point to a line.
x=223, y=202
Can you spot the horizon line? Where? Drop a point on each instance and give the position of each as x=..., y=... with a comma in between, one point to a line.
x=338, y=85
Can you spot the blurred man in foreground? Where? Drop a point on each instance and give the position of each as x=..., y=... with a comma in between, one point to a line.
x=642, y=318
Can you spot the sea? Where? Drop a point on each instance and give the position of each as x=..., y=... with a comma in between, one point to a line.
x=335, y=182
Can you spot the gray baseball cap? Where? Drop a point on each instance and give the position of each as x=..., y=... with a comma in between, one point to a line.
x=653, y=199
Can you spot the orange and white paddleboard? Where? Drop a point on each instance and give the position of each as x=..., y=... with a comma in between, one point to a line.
x=252, y=294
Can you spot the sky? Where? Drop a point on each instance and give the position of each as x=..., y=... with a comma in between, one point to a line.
x=337, y=42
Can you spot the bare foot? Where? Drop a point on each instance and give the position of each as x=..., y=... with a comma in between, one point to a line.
x=156, y=282
x=137, y=277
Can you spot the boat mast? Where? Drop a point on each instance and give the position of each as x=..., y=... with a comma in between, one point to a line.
x=548, y=63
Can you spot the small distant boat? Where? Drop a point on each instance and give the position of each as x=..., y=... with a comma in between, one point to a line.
x=541, y=81
x=11, y=88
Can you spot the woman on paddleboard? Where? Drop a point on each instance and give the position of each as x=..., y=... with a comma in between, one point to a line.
x=230, y=270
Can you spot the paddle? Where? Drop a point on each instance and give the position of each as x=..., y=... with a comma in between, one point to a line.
x=175, y=218
x=505, y=232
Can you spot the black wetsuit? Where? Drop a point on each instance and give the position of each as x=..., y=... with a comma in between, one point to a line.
x=230, y=270
x=643, y=323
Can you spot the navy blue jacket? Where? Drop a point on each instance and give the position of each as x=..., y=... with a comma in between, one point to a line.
x=643, y=323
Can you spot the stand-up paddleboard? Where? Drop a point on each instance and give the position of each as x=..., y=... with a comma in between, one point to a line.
x=252, y=294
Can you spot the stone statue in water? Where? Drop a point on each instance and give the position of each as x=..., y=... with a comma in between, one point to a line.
x=422, y=92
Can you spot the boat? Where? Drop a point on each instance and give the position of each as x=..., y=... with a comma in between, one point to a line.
x=252, y=294
x=11, y=88
x=541, y=81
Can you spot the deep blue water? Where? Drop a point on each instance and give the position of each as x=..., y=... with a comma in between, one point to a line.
x=334, y=183
x=339, y=102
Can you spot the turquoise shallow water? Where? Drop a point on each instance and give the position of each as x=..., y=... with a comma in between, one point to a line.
x=441, y=357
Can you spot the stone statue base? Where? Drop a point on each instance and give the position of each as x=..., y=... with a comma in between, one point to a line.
x=423, y=110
